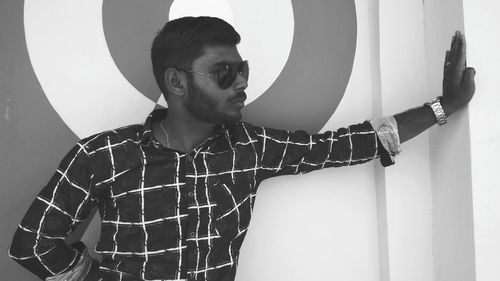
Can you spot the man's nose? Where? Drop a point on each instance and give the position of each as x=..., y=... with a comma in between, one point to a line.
x=241, y=83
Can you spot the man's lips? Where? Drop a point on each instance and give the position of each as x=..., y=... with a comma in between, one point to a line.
x=240, y=99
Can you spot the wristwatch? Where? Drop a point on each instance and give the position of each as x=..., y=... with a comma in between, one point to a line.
x=435, y=104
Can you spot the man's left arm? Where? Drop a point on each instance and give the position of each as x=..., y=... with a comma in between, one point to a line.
x=282, y=152
x=458, y=89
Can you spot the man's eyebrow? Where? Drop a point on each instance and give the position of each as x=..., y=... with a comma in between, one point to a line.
x=223, y=62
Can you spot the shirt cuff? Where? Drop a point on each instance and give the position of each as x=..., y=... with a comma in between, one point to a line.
x=78, y=273
x=388, y=136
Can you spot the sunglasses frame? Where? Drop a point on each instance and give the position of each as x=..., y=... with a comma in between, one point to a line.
x=240, y=68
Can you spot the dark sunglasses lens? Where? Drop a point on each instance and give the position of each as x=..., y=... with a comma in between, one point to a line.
x=244, y=69
x=228, y=75
x=226, y=78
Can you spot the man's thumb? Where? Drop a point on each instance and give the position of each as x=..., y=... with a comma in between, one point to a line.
x=469, y=74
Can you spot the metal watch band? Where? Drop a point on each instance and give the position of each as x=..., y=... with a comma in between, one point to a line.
x=435, y=104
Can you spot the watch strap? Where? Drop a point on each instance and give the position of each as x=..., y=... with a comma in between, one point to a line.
x=438, y=110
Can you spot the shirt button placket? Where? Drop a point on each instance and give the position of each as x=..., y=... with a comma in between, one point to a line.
x=192, y=235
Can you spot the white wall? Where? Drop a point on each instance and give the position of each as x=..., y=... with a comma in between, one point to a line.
x=450, y=156
x=437, y=209
x=465, y=176
x=407, y=189
x=482, y=26
x=322, y=225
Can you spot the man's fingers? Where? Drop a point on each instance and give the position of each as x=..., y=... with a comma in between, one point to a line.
x=453, y=48
x=460, y=60
x=462, y=53
x=457, y=58
x=447, y=59
x=447, y=63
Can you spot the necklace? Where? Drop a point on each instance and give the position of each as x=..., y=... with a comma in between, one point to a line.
x=165, y=132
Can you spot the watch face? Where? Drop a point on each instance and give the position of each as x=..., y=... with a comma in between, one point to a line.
x=100, y=77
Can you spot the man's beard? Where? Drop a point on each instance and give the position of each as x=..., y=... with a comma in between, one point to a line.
x=205, y=108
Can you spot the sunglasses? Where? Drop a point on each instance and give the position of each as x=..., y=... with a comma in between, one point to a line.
x=228, y=73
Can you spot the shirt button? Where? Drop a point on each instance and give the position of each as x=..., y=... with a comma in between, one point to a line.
x=192, y=235
x=191, y=276
x=190, y=194
x=189, y=158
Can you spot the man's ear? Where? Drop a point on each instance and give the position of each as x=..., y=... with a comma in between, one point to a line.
x=175, y=81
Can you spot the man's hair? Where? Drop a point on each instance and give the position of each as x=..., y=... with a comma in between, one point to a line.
x=182, y=40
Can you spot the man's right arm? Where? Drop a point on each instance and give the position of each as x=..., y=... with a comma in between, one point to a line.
x=38, y=244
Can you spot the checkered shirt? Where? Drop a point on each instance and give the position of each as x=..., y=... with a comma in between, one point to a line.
x=169, y=215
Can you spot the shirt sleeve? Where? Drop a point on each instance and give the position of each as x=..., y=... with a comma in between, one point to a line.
x=284, y=152
x=79, y=272
x=388, y=135
x=38, y=244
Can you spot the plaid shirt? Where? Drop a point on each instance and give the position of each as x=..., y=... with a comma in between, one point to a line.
x=169, y=215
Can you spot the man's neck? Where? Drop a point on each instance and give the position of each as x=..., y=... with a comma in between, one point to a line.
x=185, y=131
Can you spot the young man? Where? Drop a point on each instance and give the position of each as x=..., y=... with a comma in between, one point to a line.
x=175, y=194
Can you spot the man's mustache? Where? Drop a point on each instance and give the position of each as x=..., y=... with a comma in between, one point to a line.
x=240, y=97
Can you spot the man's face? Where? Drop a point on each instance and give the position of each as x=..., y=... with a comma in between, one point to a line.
x=205, y=99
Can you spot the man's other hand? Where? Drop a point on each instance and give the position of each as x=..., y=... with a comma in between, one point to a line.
x=458, y=80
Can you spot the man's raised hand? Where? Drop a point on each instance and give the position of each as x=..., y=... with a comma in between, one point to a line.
x=458, y=80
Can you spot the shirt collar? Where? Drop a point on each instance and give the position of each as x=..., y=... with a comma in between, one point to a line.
x=158, y=114
x=147, y=127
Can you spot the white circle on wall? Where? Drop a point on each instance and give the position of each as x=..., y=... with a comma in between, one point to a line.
x=214, y=8
x=99, y=81
x=70, y=56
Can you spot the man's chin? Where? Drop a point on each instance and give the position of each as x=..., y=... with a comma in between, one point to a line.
x=225, y=119
x=230, y=119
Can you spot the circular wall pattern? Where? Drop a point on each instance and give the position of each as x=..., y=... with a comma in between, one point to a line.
x=92, y=58
x=130, y=27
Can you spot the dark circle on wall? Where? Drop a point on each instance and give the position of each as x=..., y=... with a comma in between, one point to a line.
x=306, y=93
x=315, y=77
x=130, y=27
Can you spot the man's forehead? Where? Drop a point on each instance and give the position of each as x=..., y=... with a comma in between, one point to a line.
x=212, y=55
